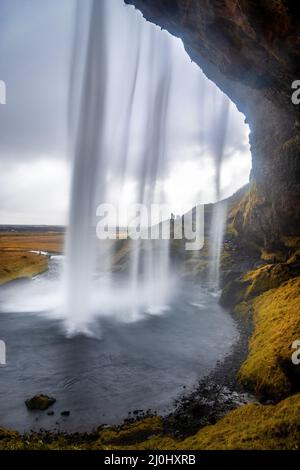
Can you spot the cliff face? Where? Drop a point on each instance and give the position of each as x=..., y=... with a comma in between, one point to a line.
x=251, y=50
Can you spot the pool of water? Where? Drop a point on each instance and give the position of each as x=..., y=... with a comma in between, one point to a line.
x=140, y=365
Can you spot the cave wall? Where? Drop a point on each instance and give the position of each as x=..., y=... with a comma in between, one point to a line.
x=251, y=50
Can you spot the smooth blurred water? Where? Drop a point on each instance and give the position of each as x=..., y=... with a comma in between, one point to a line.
x=141, y=364
x=99, y=164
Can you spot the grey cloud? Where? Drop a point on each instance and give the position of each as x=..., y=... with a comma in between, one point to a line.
x=35, y=58
x=35, y=39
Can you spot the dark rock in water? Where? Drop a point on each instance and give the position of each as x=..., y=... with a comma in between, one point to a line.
x=39, y=402
x=65, y=413
x=50, y=413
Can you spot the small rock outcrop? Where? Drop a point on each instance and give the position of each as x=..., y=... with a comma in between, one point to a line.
x=39, y=402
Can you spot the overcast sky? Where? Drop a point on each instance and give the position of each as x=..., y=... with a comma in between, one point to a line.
x=36, y=40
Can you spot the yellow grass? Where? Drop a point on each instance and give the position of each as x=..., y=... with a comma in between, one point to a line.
x=21, y=264
x=17, y=260
x=276, y=327
x=26, y=241
x=250, y=427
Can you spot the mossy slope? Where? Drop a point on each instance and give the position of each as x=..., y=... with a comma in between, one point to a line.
x=268, y=368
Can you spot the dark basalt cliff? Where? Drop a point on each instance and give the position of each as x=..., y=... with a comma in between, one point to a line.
x=251, y=50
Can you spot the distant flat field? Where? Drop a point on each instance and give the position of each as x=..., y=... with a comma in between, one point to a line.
x=16, y=257
x=18, y=246
x=28, y=241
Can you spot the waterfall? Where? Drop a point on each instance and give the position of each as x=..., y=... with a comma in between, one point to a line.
x=104, y=167
x=219, y=213
x=217, y=229
x=88, y=156
x=120, y=107
x=151, y=262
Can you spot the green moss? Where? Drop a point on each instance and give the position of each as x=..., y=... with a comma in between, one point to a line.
x=226, y=257
x=254, y=283
x=133, y=433
x=240, y=214
x=264, y=278
x=294, y=258
x=252, y=426
x=231, y=231
x=108, y=438
x=273, y=256
x=243, y=308
x=276, y=326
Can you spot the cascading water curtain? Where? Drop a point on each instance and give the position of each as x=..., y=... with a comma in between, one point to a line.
x=88, y=155
x=121, y=102
x=104, y=164
x=219, y=214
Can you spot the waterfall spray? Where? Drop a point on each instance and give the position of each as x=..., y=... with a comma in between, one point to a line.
x=218, y=220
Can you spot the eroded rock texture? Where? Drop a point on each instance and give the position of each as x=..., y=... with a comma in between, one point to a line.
x=251, y=50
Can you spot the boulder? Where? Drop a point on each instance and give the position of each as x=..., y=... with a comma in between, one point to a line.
x=39, y=402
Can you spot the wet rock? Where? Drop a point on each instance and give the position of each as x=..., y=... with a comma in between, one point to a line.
x=232, y=293
x=65, y=413
x=39, y=402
